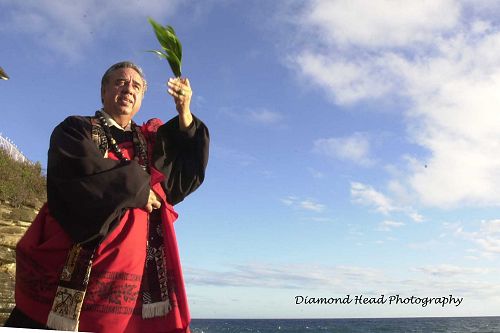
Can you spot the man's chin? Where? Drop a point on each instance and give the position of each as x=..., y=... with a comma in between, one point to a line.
x=125, y=111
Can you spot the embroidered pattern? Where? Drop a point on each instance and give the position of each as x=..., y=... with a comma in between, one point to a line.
x=71, y=263
x=112, y=292
x=162, y=272
x=68, y=302
x=123, y=276
x=115, y=309
x=155, y=283
x=73, y=281
x=99, y=137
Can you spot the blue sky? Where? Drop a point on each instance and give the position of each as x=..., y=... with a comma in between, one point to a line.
x=355, y=144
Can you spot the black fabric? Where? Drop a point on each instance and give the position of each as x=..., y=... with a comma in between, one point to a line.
x=182, y=157
x=18, y=319
x=88, y=193
x=120, y=135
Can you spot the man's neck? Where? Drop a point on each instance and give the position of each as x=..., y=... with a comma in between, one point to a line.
x=122, y=122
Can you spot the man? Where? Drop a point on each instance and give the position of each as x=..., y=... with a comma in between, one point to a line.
x=101, y=256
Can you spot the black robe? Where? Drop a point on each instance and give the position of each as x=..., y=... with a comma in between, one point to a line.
x=87, y=193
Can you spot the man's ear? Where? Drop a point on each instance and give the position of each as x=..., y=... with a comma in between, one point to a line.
x=102, y=94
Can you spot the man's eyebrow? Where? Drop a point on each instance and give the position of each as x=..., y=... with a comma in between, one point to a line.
x=126, y=79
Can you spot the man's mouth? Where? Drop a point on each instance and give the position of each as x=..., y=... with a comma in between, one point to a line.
x=125, y=100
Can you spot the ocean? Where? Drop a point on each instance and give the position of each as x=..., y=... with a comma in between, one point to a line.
x=385, y=325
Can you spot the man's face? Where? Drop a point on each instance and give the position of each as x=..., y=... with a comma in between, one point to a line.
x=122, y=94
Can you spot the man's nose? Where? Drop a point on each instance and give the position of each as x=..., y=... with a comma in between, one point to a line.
x=128, y=86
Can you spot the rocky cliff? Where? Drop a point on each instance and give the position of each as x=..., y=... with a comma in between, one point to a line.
x=12, y=228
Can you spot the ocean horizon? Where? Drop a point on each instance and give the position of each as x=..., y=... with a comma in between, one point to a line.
x=485, y=324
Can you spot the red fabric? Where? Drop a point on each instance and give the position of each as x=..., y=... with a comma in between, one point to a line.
x=113, y=302
x=149, y=130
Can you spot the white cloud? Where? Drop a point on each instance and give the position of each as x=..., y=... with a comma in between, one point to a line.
x=439, y=55
x=347, y=81
x=367, y=195
x=389, y=225
x=294, y=276
x=415, y=216
x=319, y=219
x=316, y=174
x=381, y=23
x=261, y=115
x=487, y=237
x=231, y=155
x=446, y=270
x=290, y=200
x=433, y=282
x=265, y=116
x=354, y=148
x=304, y=204
x=69, y=27
x=312, y=205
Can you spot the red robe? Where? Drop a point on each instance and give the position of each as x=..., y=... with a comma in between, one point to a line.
x=113, y=301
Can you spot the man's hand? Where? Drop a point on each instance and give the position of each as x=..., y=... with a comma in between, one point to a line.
x=180, y=89
x=153, y=202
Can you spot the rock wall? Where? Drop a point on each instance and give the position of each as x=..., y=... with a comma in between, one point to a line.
x=10, y=233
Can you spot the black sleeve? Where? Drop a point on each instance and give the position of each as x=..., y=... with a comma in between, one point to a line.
x=86, y=192
x=182, y=156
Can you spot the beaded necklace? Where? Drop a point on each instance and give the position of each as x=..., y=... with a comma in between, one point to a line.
x=140, y=150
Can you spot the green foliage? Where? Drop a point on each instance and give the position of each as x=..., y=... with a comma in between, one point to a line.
x=21, y=183
x=172, y=48
x=3, y=75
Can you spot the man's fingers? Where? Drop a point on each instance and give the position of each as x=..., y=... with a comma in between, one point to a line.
x=152, y=206
x=175, y=93
x=153, y=202
x=156, y=204
x=178, y=88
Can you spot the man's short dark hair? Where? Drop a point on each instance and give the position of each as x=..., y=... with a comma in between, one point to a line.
x=122, y=64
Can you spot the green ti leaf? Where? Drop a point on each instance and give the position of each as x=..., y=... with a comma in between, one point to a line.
x=3, y=75
x=170, y=44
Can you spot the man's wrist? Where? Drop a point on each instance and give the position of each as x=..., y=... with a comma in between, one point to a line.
x=185, y=121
